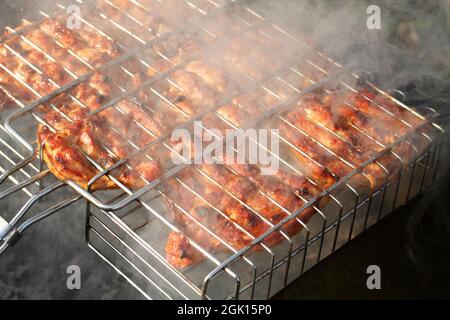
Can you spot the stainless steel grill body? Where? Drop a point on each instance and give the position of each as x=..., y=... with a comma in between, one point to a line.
x=128, y=228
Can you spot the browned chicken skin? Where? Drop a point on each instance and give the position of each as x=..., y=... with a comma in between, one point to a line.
x=246, y=212
x=66, y=149
x=4, y=100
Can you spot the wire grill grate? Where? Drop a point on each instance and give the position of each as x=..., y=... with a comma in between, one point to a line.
x=129, y=227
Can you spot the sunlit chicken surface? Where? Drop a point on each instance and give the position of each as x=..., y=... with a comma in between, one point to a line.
x=68, y=151
x=220, y=207
x=249, y=206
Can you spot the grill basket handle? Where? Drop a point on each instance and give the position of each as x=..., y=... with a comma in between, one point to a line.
x=11, y=232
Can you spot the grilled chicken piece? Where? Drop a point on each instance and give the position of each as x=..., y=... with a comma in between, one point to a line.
x=392, y=118
x=393, y=115
x=125, y=20
x=253, y=55
x=179, y=251
x=345, y=125
x=345, y=152
x=92, y=135
x=73, y=41
x=242, y=56
x=24, y=72
x=348, y=137
x=288, y=191
x=172, y=12
x=380, y=135
x=5, y=101
x=49, y=68
x=151, y=21
x=59, y=53
x=251, y=204
x=252, y=201
x=192, y=98
x=100, y=43
x=44, y=70
x=66, y=150
x=64, y=153
x=201, y=216
x=324, y=116
x=351, y=121
x=11, y=81
x=198, y=87
x=213, y=77
x=157, y=124
x=10, y=85
x=245, y=107
x=350, y=115
x=254, y=211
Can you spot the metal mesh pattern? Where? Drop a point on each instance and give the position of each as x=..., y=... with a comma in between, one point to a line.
x=129, y=227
